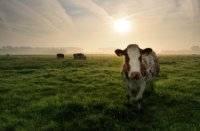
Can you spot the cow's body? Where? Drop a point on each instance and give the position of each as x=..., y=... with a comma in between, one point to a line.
x=60, y=56
x=79, y=56
x=140, y=66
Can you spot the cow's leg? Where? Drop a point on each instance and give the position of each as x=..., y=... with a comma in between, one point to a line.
x=127, y=89
x=151, y=83
x=142, y=87
x=128, y=95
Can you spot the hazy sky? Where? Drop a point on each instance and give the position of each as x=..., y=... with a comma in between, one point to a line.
x=160, y=24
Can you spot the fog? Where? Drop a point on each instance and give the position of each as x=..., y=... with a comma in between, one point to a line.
x=9, y=50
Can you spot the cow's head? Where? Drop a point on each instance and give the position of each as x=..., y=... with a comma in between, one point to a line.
x=133, y=66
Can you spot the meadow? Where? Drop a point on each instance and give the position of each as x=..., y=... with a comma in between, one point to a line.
x=45, y=93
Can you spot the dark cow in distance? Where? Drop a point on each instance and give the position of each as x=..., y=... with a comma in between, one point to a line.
x=140, y=66
x=79, y=56
x=60, y=56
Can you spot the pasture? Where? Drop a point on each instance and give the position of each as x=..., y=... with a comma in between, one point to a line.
x=45, y=93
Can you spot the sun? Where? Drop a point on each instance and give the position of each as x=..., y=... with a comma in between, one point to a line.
x=122, y=25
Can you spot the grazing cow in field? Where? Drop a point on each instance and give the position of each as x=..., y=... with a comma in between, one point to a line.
x=60, y=56
x=140, y=66
x=79, y=56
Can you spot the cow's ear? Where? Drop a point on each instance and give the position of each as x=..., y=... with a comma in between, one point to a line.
x=119, y=52
x=146, y=51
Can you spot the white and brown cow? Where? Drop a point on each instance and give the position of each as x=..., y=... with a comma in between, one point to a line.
x=140, y=66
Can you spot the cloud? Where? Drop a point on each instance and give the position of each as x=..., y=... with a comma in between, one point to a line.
x=91, y=6
x=190, y=8
x=44, y=16
x=30, y=21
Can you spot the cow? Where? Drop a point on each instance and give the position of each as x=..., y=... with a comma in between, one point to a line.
x=60, y=56
x=140, y=66
x=79, y=56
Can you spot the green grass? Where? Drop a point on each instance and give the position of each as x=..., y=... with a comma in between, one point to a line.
x=44, y=93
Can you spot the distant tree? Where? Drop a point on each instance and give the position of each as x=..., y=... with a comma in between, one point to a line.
x=195, y=48
x=7, y=47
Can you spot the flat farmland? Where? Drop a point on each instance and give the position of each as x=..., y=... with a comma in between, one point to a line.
x=45, y=93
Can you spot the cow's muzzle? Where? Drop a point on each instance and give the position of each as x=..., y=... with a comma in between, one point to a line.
x=135, y=75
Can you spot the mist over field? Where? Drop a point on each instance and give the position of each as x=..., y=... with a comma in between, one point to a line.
x=9, y=50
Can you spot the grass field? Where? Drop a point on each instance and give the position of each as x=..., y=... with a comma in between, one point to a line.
x=44, y=93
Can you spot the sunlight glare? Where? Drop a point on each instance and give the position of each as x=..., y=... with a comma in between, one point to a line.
x=122, y=25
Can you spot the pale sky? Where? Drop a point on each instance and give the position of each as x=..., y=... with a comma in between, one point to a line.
x=159, y=24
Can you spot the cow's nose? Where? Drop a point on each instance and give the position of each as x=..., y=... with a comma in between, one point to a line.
x=135, y=74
